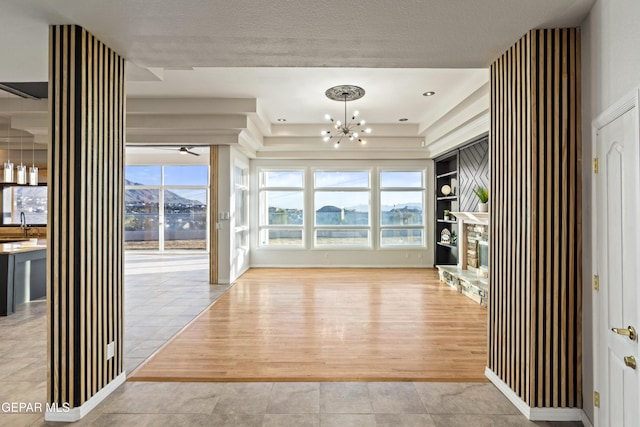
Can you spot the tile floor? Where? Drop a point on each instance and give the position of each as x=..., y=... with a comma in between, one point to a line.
x=163, y=293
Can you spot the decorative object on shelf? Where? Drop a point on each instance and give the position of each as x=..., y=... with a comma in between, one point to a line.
x=445, y=236
x=446, y=215
x=8, y=166
x=454, y=186
x=483, y=198
x=445, y=190
x=348, y=129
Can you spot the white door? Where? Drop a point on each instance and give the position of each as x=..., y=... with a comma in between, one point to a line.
x=617, y=262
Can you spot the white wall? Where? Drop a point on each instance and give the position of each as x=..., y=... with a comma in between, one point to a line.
x=610, y=69
x=310, y=257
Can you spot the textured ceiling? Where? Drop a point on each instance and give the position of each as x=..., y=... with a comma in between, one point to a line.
x=303, y=33
x=396, y=50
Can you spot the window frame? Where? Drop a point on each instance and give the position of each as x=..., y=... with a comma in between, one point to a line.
x=161, y=188
x=343, y=228
x=382, y=227
x=263, y=188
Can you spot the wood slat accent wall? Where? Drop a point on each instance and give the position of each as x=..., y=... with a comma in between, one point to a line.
x=214, y=153
x=86, y=203
x=535, y=272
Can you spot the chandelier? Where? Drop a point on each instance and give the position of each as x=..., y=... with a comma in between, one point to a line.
x=345, y=129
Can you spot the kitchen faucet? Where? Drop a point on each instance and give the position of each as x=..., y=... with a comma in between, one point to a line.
x=23, y=223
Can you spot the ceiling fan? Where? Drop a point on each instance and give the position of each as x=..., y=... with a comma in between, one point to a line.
x=181, y=150
x=187, y=150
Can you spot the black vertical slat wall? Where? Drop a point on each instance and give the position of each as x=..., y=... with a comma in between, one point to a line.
x=535, y=248
x=86, y=202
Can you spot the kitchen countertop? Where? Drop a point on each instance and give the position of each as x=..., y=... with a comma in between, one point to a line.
x=23, y=246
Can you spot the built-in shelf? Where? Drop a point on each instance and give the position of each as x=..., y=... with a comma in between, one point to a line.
x=443, y=175
x=448, y=245
x=446, y=174
x=472, y=217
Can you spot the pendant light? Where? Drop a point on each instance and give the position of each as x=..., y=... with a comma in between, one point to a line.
x=8, y=166
x=22, y=169
x=33, y=170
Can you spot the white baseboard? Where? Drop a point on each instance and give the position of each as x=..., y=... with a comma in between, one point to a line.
x=75, y=414
x=534, y=414
x=586, y=422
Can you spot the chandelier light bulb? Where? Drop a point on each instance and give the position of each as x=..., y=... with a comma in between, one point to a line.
x=326, y=138
x=355, y=114
x=368, y=130
x=363, y=142
x=336, y=145
x=328, y=117
x=355, y=134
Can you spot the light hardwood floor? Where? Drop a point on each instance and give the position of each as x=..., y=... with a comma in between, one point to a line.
x=330, y=325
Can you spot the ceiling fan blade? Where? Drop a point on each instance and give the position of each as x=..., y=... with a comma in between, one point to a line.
x=185, y=150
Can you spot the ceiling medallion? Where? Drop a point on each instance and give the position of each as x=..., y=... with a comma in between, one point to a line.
x=348, y=129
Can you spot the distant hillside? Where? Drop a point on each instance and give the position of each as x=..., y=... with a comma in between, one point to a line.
x=151, y=196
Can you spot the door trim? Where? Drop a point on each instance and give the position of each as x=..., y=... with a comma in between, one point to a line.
x=622, y=106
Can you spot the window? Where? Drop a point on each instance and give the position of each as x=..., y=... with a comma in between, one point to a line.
x=30, y=200
x=241, y=220
x=401, y=208
x=342, y=201
x=281, y=201
x=166, y=207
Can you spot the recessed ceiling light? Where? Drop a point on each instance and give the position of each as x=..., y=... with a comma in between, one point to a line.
x=429, y=93
x=282, y=120
x=404, y=119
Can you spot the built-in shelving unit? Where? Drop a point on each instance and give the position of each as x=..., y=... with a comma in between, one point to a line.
x=446, y=169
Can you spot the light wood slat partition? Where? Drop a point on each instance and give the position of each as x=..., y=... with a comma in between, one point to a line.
x=86, y=202
x=535, y=273
x=214, y=156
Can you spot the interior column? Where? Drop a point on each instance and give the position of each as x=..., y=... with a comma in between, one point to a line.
x=85, y=228
x=536, y=260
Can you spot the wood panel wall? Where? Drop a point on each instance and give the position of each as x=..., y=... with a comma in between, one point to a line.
x=86, y=204
x=535, y=272
x=214, y=153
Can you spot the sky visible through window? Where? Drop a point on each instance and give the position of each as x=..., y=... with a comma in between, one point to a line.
x=173, y=176
x=345, y=179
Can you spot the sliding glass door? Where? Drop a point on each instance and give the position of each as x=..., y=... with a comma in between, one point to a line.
x=166, y=207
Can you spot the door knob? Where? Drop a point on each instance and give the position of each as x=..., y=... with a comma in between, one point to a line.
x=630, y=361
x=629, y=332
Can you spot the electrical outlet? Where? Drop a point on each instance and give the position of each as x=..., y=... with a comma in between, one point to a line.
x=111, y=350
